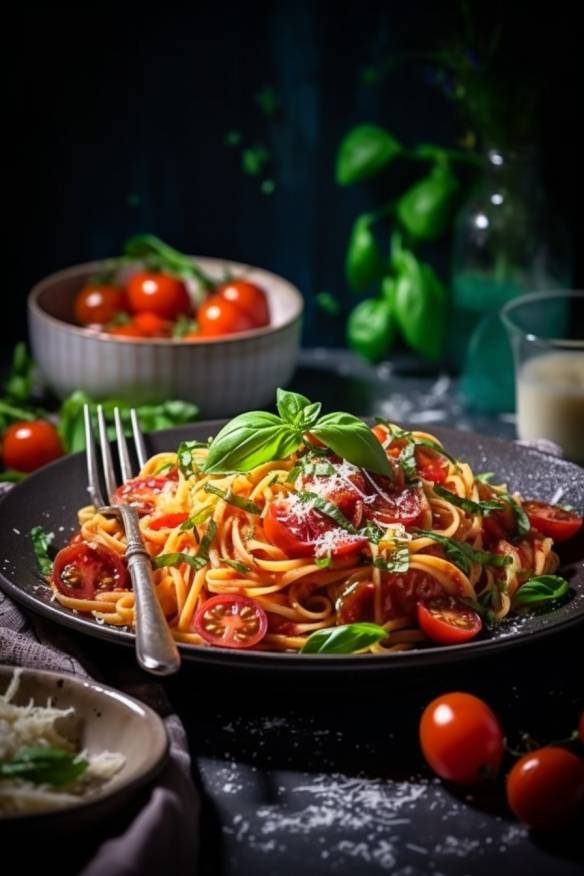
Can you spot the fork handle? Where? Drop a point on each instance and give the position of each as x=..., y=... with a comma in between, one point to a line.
x=156, y=649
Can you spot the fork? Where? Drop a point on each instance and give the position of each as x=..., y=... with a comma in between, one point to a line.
x=156, y=649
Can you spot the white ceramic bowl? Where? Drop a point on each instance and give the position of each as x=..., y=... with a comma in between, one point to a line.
x=221, y=375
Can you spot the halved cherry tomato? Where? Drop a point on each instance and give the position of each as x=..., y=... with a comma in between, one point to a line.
x=355, y=602
x=231, y=621
x=142, y=493
x=218, y=316
x=431, y=465
x=545, y=788
x=158, y=293
x=402, y=591
x=98, y=304
x=461, y=738
x=30, y=444
x=80, y=571
x=299, y=531
x=553, y=521
x=168, y=521
x=152, y=325
x=249, y=298
x=448, y=621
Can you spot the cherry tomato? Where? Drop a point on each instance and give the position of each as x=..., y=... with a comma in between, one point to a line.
x=168, y=521
x=431, y=465
x=81, y=571
x=355, y=602
x=98, y=304
x=30, y=444
x=152, y=325
x=158, y=293
x=249, y=298
x=545, y=788
x=142, y=493
x=461, y=738
x=553, y=521
x=447, y=621
x=127, y=330
x=231, y=621
x=218, y=316
x=298, y=532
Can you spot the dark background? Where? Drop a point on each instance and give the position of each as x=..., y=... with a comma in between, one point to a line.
x=117, y=117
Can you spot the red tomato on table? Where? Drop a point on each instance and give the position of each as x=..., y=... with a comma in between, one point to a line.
x=158, y=293
x=80, y=571
x=545, y=788
x=30, y=444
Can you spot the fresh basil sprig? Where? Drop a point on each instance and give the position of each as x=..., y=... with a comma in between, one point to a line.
x=543, y=588
x=468, y=505
x=232, y=499
x=345, y=639
x=257, y=437
x=41, y=542
x=462, y=554
x=44, y=765
x=200, y=559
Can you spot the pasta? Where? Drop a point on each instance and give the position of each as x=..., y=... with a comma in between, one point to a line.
x=312, y=543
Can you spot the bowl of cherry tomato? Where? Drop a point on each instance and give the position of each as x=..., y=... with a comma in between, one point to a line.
x=155, y=324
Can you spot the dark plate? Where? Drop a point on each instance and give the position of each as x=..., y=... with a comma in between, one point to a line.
x=52, y=496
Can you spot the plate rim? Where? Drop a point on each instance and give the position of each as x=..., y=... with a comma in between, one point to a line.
x=271, y=660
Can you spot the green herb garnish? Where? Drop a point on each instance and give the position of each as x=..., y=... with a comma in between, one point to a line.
x=44, y=765
x=468, y=505
x=41, y=542
x=200, y=559
x=345, y=639
x=232, y=499
x=462, y=554
x=543, y=588
x=397, y=562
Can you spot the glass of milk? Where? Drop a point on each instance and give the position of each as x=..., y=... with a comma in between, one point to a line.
x=547, y=335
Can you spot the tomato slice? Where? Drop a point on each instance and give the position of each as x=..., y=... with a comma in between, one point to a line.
x=304, y=531
x=448, y=621
x=81, y=571
x=355, y=602
x=168, y=521
x=553, y=521
x=142, y=493
x=431, y=465
x=231, y=621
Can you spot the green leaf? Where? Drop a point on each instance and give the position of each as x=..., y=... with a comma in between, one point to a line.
x=184, y=455
x=160, y=256
x=397, y=562
x=543, y=588
x=329, y=508
x=253, y=160
x=351, y=439
x=484, y=477
x=523, y=522
x=425, y=209
x=328, y=303
x=197, y=518
x=407, y=461
x=196, y=562
x=235, y=564
x=323, y=562
x=371, y=329
x=363, y=152
x=250, y=440
x=462, y=554
x=232, y=499
x=468, y=505
x=12, y=477
x=41, y=542
x=364, y=264
x=183, y=325
x=345, y=639
x=420, y=305
x=19, y=384
x=291, y=406
x=44, y=765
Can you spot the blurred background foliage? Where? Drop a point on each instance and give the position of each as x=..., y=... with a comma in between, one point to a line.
x=217, y=127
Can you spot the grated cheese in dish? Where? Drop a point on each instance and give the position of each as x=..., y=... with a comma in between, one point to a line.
x=34, y=727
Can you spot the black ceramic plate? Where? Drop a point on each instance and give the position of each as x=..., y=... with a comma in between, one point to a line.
x=52, y=496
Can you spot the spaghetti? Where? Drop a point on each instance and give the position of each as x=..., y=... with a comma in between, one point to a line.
x=266, y=557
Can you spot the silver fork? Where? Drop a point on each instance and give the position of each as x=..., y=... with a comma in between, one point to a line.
x=156, y=650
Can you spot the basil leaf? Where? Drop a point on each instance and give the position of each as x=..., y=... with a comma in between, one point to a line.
x=344, y=640
x=44, y=765
x=372, y=533
x=197, y=518
x=235, y=564
x=323, y=562
x=351, y=439
x=250, y=440
x=310, y=415
x=469, y=505
x=462, y=554
x=523, y=522
x=185, y=457
x=290, y=405
x=232, y=499
x=543, y=588
x=166, y=467
x=41, y=541
x=12, y=477
x=397, y=561
x=407, y=461
x=363, y=152
x=484, y=477
x=313, y=469
x=328, y=508
x=196, y=562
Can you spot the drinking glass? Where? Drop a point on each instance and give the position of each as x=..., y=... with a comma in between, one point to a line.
x=546, y=330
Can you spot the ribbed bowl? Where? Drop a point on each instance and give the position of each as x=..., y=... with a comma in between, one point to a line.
x=222, y=376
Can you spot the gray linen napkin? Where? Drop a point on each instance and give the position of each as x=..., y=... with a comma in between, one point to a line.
x=164, y=835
